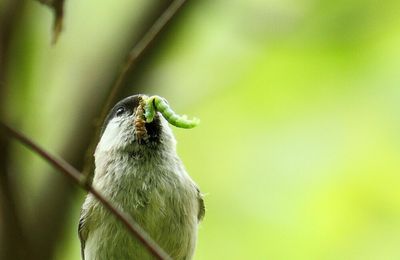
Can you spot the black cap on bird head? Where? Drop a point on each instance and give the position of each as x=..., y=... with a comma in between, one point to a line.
x=126, y=108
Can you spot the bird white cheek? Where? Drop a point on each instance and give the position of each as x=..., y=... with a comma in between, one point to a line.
x=111, y=136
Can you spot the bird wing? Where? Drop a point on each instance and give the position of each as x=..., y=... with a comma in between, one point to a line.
x=83, y=233
x=202, y=207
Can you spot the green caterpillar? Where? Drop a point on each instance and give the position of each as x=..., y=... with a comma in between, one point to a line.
x=157, y=103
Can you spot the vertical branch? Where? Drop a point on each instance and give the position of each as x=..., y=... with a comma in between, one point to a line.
x=13, y=242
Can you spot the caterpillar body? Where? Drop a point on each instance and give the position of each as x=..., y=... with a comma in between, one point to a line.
x=157, y=103
x=139, y=122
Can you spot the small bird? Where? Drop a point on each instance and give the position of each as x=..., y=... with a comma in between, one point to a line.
x=142, y=175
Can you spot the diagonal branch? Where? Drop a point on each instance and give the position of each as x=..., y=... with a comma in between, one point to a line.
x=134, y=55
x=138, y=51
x=74, y=175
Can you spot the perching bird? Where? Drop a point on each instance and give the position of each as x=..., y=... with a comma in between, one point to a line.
x=144, y=177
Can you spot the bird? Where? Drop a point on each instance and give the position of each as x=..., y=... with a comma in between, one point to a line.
x=139, y=171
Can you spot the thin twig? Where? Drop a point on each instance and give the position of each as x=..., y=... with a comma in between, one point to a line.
x=134, y=55
x=139, y=49
x=73, y=174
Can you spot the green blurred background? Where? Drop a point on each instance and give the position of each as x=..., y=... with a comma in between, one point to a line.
x=299, y=145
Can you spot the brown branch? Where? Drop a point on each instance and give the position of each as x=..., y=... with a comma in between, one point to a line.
x=134, y=55
x=74, y=175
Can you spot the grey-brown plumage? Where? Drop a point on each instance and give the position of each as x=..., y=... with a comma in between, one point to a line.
x=146, y=179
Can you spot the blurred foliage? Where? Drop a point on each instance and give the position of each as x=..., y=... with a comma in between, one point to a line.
x=298, y=150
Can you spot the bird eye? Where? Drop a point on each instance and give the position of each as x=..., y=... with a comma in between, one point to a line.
x=120, y=111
